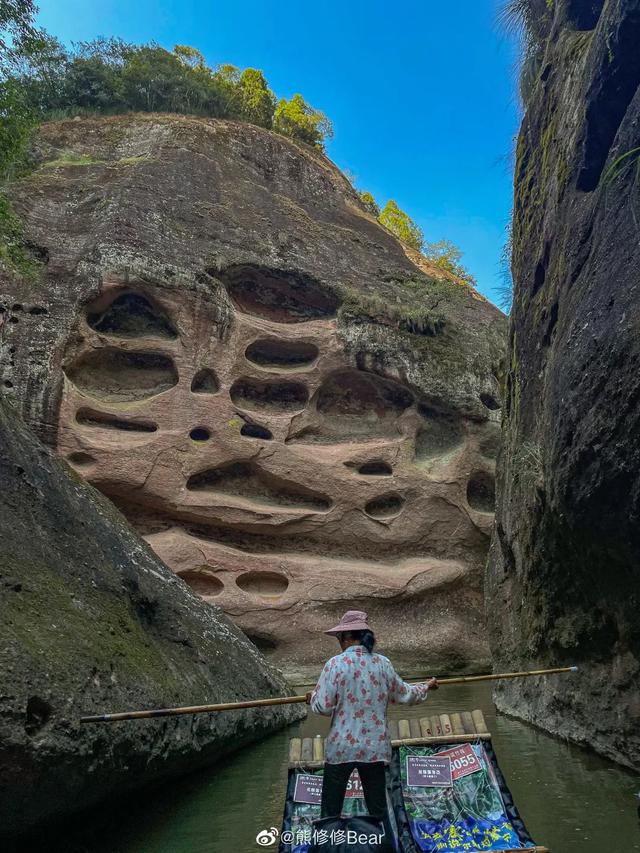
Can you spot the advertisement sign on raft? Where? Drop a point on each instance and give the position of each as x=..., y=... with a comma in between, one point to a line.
x=308, y=788
x=429, y=771
x=463, y=761
x=442, y=770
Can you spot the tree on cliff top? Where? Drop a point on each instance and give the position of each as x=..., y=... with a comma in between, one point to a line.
x=257, y=101
x=298, y=120
x=401, y=224
x=110, y=76
x=16, y=22
x=442, y=253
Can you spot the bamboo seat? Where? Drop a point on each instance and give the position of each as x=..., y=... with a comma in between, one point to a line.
x=461, y=727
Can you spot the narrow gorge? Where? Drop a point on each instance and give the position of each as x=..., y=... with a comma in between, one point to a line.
x=242, y=401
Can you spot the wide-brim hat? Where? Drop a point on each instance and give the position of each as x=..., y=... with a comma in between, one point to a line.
x=353, y=620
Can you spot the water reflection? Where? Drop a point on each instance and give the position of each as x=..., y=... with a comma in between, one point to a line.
x=571, y=801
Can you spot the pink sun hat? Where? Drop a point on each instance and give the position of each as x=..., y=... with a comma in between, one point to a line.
x=353, y=620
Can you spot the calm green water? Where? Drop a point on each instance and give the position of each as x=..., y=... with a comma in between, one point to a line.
x=571, y=801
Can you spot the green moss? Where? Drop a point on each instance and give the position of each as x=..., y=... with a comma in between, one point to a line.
x=14, y=256
x=70, y=158
x=419, y=306
x=580, y=41
x=58, y=626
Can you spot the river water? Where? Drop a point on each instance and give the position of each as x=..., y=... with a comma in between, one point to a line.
x=572, y=801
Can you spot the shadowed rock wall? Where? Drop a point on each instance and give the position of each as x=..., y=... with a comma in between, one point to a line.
x=563, y=579
x=299, y=415
x=90, y=622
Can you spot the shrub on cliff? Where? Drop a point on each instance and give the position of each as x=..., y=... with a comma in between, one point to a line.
x=371, y=205
x=401, y=224
x=298, y=120
x=447, y=256
x=444, y=254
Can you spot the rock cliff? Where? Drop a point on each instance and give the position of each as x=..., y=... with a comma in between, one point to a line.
x=564, y=575
x=91, y=621
x=299, y=414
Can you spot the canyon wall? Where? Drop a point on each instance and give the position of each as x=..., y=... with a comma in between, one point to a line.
x=91, y=622
x=564, y=578
x=299, y=414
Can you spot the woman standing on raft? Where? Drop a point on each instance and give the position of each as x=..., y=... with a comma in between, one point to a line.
x=355, y=688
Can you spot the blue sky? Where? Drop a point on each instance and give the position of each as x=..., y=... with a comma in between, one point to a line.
x=421, y=94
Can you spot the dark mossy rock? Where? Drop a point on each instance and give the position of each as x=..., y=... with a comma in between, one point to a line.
x=564, y=572
x=91, y=621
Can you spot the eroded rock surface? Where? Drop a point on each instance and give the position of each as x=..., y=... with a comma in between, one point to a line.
x=91, y=621
x=564, y=573
x=296, y=413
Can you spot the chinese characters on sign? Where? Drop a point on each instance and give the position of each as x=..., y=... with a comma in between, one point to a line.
x=429, y=771
x=308, y=788
x=463, y=761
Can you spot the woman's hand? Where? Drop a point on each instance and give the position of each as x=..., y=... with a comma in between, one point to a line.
x=432, y=684
x=307, y=697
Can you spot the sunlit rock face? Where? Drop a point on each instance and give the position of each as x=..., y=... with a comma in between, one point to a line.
x=297, y=416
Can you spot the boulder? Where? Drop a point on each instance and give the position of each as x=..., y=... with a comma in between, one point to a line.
x=298, y=413
x=91, y=621
x=564, y=570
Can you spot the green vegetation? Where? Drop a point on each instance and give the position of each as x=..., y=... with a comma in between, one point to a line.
x=109, y=76
x=69, y=158
x=371, y=205
x=418, y=306
x=16, y=122
x=297, y=120
x=13, y=254
x=16, y=23
x=530, y=21
x=447, y=256
x=40, y=79
x=443, y=254
x=17, y=119
x=630, y=160
x=401, y=224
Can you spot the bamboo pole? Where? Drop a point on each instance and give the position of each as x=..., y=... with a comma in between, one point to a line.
x=496, y=676
x=289, y=700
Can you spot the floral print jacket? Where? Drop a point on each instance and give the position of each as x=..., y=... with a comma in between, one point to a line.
x=355, y=688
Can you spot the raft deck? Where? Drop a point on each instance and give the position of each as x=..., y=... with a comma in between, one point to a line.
x=465, y=727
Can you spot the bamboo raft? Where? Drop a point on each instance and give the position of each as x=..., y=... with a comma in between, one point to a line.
x=306, y=755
